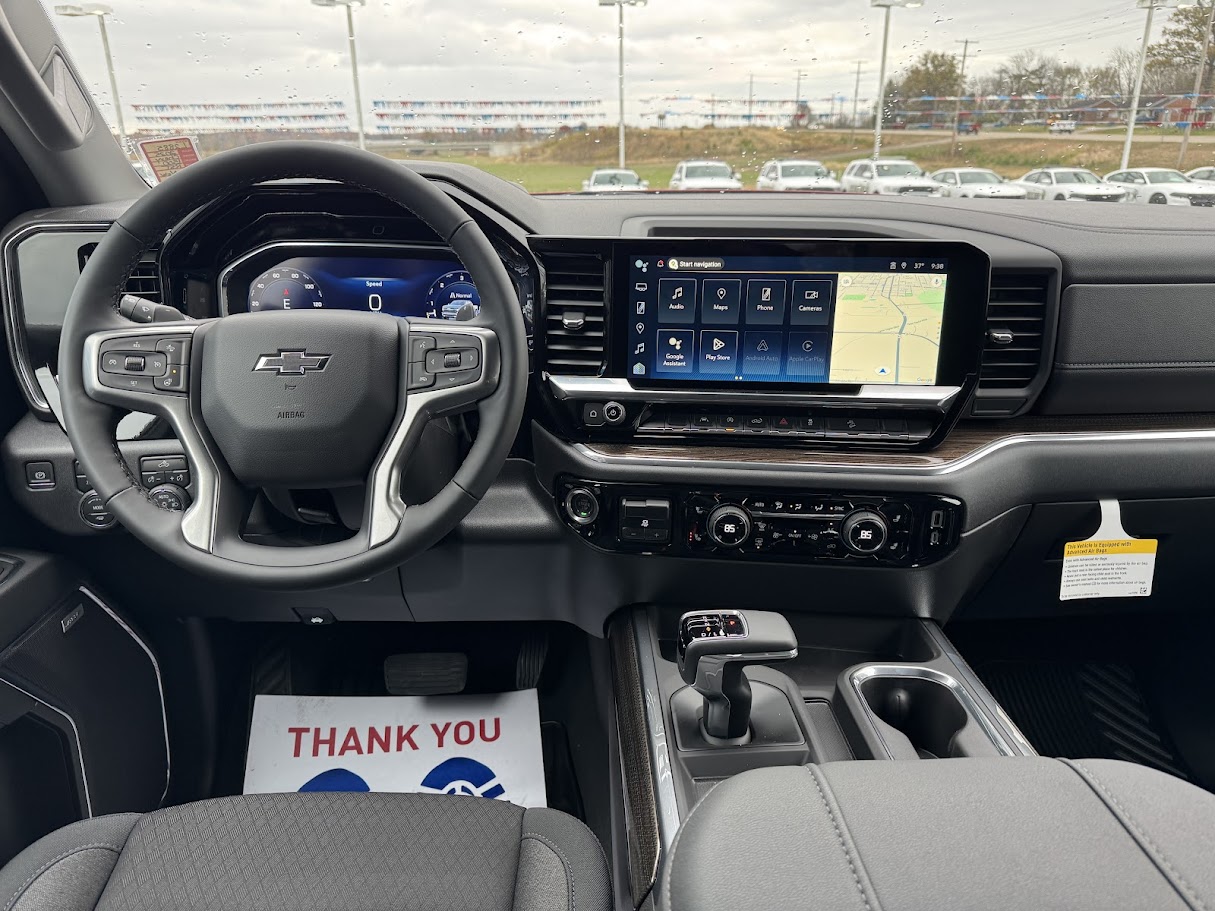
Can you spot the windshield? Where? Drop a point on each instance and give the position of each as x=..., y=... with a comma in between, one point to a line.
x=980, y=177
x=617, y=179
x=545, y=95
x=1076, y=177
x=708, y=170
x=803, y=170
x=1167, y=177
x=898, y=170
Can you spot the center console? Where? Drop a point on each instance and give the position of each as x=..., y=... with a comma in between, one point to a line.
x=711, y=694
x=757, y=524
x=812, y=343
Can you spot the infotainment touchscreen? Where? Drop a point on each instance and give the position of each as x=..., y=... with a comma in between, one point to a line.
x=763, y=313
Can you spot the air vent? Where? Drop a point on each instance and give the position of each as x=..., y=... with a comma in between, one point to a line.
x=144, y=280
x=1016, y=318
x=575, y=314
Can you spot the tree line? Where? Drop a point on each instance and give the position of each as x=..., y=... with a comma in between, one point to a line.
x=1172, y=65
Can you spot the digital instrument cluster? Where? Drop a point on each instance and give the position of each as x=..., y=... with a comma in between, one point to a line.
x=435, y=288
x=400, y=281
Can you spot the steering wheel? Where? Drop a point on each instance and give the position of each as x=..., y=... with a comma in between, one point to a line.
x=285, y=399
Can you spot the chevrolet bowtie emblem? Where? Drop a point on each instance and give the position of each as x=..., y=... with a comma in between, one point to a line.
x=295, y=363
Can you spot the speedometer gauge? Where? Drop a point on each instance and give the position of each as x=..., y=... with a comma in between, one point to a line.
x=284, y=289
x=450, y=294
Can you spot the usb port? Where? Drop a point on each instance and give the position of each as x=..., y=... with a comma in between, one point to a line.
x=937, y=519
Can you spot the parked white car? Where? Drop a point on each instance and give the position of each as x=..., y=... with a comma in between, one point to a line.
x=1062, y=126
x=888, y=177
x=1202, y=175
x=977, y=183
x=1075, y=184
x=614, y=180
x=705, y=175
x=796, y=174
x=1163, y=187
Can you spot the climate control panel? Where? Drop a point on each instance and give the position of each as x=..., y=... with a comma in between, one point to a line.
x=783, y=526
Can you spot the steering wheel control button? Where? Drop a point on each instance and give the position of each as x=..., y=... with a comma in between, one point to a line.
x=456, y=378
x=39, y=475
x=418, y=346
x=169, y=496
x=177, y=349
x=175, y=379
x=134, y=363
x=94, y=513
x=865, y=531
x=581, y=506
x=420, y=377
x=447, y=360
x=729, y=526
x=156, y=470
x=614, y=413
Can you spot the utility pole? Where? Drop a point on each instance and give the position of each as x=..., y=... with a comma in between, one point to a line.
x=751, y=101
x=957, y=105
x=1198, y=80
x=856, y=100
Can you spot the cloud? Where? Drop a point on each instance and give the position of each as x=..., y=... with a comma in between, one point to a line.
x=223, y=50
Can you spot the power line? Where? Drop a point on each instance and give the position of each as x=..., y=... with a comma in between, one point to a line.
x=1083, y=35
x=1067, y=22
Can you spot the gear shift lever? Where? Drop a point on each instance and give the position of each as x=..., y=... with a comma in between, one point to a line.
x=715, y=646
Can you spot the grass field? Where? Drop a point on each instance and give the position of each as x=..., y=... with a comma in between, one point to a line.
x=560, y=165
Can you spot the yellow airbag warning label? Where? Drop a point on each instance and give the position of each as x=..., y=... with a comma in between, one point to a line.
x=1106, y=548
x=1110, y=564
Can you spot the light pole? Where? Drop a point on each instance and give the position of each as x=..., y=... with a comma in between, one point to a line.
x=1198, y=80
x=354, y=59
x=100, y=10
x=1151, y=6
x=797, y=99
x=881, y=110
x=620, y=5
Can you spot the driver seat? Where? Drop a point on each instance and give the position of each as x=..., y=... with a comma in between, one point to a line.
x=315, y=852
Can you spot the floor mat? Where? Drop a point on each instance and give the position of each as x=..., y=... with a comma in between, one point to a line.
x=483, y=745
x=1083, y=710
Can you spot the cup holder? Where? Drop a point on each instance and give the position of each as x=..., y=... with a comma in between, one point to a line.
x=922, y=713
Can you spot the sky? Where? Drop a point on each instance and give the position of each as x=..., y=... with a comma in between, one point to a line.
x=275, y=50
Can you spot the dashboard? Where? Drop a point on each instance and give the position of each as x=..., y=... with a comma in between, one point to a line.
x=736, y=392
x=394, y=280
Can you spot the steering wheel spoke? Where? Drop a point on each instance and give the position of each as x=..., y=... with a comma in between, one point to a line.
x=449, y=368
x=149, y=369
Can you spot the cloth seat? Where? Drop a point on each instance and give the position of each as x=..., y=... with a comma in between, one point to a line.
x=998, y=834
x=316, y=852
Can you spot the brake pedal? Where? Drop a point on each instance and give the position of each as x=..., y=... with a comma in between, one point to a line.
x=425, y=673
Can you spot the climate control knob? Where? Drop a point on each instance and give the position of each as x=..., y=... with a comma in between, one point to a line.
x=865, y=531
x=729, y=526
